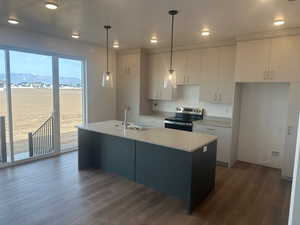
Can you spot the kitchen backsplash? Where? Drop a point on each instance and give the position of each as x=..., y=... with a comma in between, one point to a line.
x=188, y=96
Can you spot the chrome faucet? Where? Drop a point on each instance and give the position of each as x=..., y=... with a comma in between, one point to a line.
x=125, y=122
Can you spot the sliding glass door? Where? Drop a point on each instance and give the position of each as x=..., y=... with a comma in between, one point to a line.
x=71, y=101
x=31, y=100
x=4, y=141
x=41, y=98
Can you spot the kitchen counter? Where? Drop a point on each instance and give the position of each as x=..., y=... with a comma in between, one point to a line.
x=215, y=122
x=176, y=139
x=157, y=120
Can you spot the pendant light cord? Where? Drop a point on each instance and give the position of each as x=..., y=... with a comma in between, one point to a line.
x=107, y=50
x=172, y=34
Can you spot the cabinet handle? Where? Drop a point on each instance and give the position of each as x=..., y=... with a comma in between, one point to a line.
x=265, y=75
x=290, y=130
x=271, y=74
x=211, y=129
x=216, y=97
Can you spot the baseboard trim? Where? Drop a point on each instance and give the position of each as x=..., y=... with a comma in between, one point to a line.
x=223, y=164
x=25, y=161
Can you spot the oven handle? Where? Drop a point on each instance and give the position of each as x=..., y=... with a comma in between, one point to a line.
x=178, y=123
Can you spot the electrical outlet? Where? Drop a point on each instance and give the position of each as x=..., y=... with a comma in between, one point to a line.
x=275, y=153
x=205, y=149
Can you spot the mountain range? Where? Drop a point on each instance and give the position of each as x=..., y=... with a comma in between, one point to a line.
x=17, y=78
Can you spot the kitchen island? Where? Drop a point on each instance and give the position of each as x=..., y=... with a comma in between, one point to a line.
x=178, y=163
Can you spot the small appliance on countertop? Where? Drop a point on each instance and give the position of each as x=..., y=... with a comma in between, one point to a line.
x=183, y=119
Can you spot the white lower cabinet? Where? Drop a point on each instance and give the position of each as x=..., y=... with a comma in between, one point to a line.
x=224, y=135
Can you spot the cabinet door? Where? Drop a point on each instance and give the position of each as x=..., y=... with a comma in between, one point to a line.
x=227, y=63
x=158, y=68
x=226, y=75
x=285, y=59
x=180, y=66
x=153, y=77
x=194, y=66
x=226, y=92
x=209, y=92
x=252, y=60
x=224, y=140
x=224, y=144
x=210, y=60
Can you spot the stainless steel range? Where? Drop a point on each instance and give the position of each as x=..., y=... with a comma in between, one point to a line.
x=183, y=119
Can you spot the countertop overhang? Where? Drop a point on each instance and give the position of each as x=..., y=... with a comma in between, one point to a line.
x=171, y=138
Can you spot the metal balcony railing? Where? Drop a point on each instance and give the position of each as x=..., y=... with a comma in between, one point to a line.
x=41, y=142
x=3, y=154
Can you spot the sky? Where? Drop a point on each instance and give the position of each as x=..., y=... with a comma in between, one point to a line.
x=21, y=62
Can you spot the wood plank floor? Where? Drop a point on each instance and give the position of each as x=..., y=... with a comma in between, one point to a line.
x=54, y=192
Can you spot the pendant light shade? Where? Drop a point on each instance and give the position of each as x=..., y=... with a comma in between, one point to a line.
x=170, y=77
x=107, y=80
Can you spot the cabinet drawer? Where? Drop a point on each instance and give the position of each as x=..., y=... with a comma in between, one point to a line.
x=224, y=140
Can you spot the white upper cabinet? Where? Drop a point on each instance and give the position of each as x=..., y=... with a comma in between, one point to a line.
x=268, y=60
x=158, y=67
x=252, y=60
x=217, y=85
x=210, y=64
x=226, y=74
x=285, y=59
x=194, y=66
x=211, y=68
x=180, y=66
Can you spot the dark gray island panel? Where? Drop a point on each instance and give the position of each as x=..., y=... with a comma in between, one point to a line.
x=164, y=169
x=189, y=176
x=109, y=153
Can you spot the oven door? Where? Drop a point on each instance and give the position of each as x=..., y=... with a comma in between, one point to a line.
x=179, y=125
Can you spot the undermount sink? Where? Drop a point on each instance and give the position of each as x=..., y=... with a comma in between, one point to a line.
x=131, y=126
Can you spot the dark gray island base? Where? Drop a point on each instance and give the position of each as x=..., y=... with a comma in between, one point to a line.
x=189, y=176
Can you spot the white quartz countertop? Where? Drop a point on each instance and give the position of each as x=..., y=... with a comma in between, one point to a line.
x=177, y=139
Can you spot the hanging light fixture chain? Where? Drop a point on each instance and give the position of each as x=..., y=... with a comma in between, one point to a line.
x=172, y=38
x=107, y=49
x=172, y=13
x=107, y=27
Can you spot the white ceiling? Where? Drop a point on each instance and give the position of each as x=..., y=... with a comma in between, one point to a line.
x=134, y=21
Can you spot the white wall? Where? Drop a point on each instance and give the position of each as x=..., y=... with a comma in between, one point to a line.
x=101, y=102
x=189, y=96
x=294, y=218
x=263, y=119
x=292, y=124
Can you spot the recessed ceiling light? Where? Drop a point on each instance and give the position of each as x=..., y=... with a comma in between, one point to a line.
x=75, y=35
x=154, y=40
x=51, y=5
x=278, y=22
x=205, y=33
x=116, y=44
x=13, y=21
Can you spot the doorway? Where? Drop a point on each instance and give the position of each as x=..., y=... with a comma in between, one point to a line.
x=263, y=118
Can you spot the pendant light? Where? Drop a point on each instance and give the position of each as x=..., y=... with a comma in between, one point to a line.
x=170, y=78
x=107, y=80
